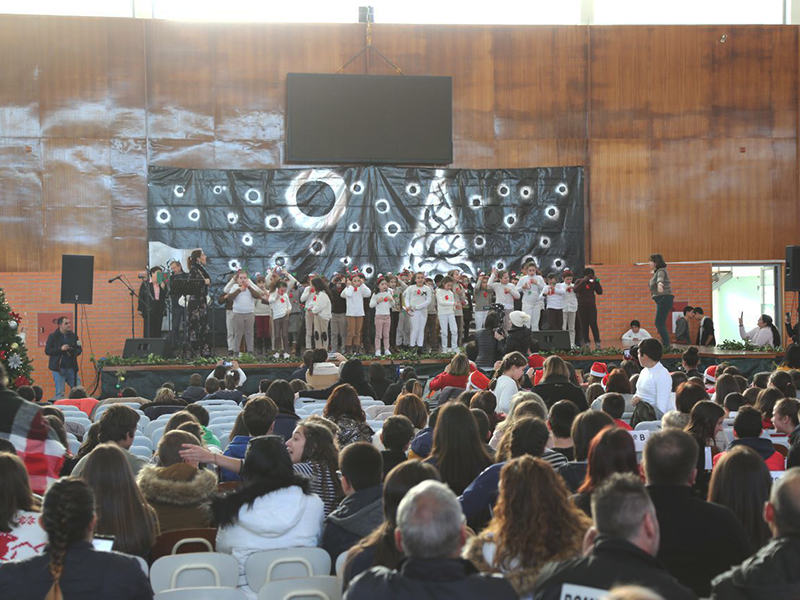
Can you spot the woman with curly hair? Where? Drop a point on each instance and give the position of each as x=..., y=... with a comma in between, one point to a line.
x=313, y=452
x=344, y=409
x=534, y=523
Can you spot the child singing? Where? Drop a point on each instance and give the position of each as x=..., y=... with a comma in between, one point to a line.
x=382, y=301
x=445, y=303
x=505, y=293
x=417, y=298
x=355, y=292
x=530, y=286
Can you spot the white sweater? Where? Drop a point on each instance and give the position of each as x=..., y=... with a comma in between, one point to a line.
x=533, y=295
x=504, y=391
x=308, y=297
x=760, y=336
x=570, y=299
x=631, y=338
x=445, y=302
x=505, y=294
x=382, y=302
x=556, y=299
x=244, y=303
x=417, y=298
x=321, y=305
x=355, y=299
x=279, y=304
x=654, y=386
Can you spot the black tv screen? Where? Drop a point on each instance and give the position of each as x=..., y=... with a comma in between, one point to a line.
x=369, y=119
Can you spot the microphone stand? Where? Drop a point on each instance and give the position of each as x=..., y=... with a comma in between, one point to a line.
x=133, y=294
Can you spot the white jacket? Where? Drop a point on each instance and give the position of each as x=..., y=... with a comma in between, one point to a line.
x=445, y=301
x=284, y=519
x=281, y=309
x=355, y=299
x=321, y=305
x=570, y=299
x=533, y=295
x=417, y=298
x=505, y=294
x=382, y=302
x=308, y=297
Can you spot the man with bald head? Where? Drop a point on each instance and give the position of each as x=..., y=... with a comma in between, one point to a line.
x=773, y=571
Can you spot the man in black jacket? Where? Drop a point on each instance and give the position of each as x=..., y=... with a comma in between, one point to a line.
x=361, y=511
x=772, y=572
x=431, y=531
x=699, y=540
x=705, y=335
x=63, y=347
x=619, y=550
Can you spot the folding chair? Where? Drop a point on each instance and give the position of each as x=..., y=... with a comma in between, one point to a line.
x=198, y=569
x=311, y=588
x=286, y=563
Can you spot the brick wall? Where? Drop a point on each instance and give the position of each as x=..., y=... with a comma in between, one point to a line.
x=626, y=296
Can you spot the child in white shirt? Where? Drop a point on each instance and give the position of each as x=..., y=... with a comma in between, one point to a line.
x=530, y=287
x=505, y=293
x=281, y=305
x=553, y=293
x=416, y=299
x=570, y=306
x=445, y=303
x=263, y=315
x=355, y=292
x=243, y=293
x=321, y=311
x=382, y=301
x=635, y=334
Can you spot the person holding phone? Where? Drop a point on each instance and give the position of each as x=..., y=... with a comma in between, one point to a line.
x=766, y=334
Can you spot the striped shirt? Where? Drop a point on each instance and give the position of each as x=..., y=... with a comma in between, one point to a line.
x=322, y=483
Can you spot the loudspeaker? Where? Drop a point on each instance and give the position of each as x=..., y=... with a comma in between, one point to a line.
x=792, y=277
x=77, y=279
x=139, y=347
x=552, y=340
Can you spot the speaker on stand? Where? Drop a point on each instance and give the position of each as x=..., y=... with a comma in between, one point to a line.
x=77, y=281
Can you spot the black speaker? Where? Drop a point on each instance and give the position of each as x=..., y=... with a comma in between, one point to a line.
x=792, y=278
x=552, y=340
x=77, y=279
x=139, y=347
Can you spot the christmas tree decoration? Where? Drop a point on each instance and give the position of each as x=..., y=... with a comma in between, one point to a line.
x=13, y=353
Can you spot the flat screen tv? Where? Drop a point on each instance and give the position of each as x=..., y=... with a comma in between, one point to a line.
x=369, y=119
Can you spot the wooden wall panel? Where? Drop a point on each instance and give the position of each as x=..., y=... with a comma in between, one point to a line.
x=658, y=116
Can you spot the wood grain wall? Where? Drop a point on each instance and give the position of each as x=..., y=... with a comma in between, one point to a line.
x=690, y=143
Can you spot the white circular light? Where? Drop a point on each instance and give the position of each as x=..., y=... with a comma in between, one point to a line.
x=480, y=241
x=346, y=260
x=500, y=265
x=382, y=206
x=528, y=258
x=179, y=191
x=233, y=218
x=218, y=189
x=279, y=259
x=247, y=239
x=544, y=242
x=317, y=247
x=475, y=201
x=163, y=216
x=562, y=189
x=510, y=221
x=558, y=263
x=503, y=190
x=355, y=227
x=392, y=228
x=194, y=215
x=253, y=196
x=234, y=264
x=412, y=189
x=551, y=212
x=273, y=222
x=368, y=271
x=526, y=191
x=357, y=188
x=332, y=217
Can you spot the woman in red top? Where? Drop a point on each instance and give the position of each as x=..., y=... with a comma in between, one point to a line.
x=456, y=374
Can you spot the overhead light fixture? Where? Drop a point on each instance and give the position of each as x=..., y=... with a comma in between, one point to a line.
x=366, y=14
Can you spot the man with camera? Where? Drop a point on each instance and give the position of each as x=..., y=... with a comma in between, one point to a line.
x=63, y=347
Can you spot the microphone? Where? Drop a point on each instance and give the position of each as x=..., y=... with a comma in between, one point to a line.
x=114, y=279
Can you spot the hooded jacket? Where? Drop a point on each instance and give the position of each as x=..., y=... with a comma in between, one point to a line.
x=770, y=573
x=179, y=494
x=764, y=448
x=286, y=518
x=355, y=518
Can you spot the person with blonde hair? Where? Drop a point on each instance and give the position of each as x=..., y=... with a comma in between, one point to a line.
x=456, y=374
x=534, y=523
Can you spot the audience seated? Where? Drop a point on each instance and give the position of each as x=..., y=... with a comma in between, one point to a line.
x=230, y=390
x=533, y=503
x=201, y=414
x=80, y=399
x=556, y=385
x=379, y=548
x=741, y=481
x=422, y=443
x=611, y=451
x=396, y=388
x=178, y=491
x=280, y=392
x=321, y=374
x=413, y=407
x=654, y=385
x=783, y=382
x=518, y=399
x=396, y=437
x=593, y=392
x=586, y=425
x=179, y=418
x=20, y=534
x=308, y=360
x=121, y=509
x=732, y=403
x=699, y=540
x=312, y=449
x=70, y=567
x=431, y=533
x=195, y=391
x=117, y=426
x=378, y=380
x=614, y=406
x=506, y=383
x=765, y=404
x=259, y=419
x=352, y=373
x=620, y=549
x=484, y=430
x=274, y=507
x=456, y=374
x=772, y=571
x=344, y=409
x=361, y=510
x=562, y=415
x=785, y=419
x=164, y=403
x=747, y=430
x=635, y=334
x=705, y=425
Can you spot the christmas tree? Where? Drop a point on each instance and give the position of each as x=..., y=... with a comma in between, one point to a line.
x=13, y=353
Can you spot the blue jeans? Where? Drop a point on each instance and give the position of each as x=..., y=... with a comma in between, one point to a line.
x=68, y=376
x=663, y=308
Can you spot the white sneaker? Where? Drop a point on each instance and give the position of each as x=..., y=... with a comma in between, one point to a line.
x=377, y=353
x=387, y=352
x=276, y=355
x=286, y=355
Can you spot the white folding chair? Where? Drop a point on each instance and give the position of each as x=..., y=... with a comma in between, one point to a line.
x=372, y=412
x=140, y=440
x=201, y=593
x=286, y=563
x=311, y=588
x=224, y=440
x=217, y=402
x=368, y=398
x=74, y=445
x=69, y=418
x=375, y=424
x=67, y=408
x=142, y=452
x=219, y=429
x=339, y=568
x=648, y=426
x=150, y=428
x=222, y=419
x=157, y=435
x=198, y=569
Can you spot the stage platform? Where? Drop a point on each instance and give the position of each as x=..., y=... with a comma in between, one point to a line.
x=146, y=379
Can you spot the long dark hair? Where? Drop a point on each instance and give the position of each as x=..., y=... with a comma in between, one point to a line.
x=658, y=261
x=266, y=468
x=792, y=358
x=352, y=372
x=320, y=450
x=90, y=441
x=281, y=393
x=776, y=335
x=122, y=511
x=344, y=402
x=319, y=285
x=611, y=451
x=703, y=422
x=397, y=484
x=67, y=512
x=317, y=356
x=457, y=447
x=741, y=481
x=15, y=493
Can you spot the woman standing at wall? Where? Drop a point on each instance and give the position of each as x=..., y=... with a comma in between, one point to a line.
x=197, y=305
x=661, y=292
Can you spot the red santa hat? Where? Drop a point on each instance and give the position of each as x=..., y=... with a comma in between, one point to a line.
x=710, y=374
x=599, y=369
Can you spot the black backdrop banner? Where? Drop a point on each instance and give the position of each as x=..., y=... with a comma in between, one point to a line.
x=379, y=219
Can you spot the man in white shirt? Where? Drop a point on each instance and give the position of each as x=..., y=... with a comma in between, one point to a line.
x=655, y=383
x=635, y=334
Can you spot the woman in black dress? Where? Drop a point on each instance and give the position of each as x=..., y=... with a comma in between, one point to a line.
x=153, y=303
x=197, y=305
